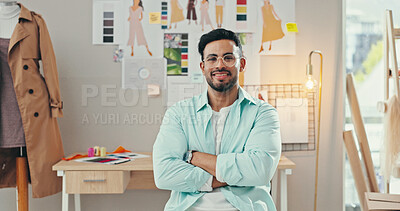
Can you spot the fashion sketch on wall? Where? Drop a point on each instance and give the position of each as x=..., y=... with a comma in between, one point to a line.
x=191, y=11
x=135, y=26
x=272, y=25
x=176, y=13
x=201, y=16
x=219, y=12
x=140, y=37
x=272, y=37
x=205, y=17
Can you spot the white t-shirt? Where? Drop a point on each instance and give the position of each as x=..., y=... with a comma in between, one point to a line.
x=215, y=200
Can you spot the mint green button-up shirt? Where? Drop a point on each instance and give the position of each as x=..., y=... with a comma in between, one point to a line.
x=249, y=154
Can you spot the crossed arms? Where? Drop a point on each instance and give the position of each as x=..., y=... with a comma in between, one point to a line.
x=254, y=166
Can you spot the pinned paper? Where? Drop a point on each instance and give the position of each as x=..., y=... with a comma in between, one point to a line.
x=292, y=27
x=293, y=117
x=154, y=17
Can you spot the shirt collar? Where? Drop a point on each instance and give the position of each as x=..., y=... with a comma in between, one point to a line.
x=243, y=95
x=25, y=13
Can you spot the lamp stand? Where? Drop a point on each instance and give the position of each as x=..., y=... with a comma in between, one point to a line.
x=318, y=123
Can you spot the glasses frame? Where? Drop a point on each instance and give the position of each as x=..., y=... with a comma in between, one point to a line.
x=223, y=61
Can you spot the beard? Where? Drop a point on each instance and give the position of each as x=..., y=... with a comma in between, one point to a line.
x=222, y=87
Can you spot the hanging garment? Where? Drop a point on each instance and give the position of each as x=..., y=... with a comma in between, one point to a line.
x=39, y=103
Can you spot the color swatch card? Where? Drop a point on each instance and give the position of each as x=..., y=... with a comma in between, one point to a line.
x=241, y=14
x=107, y=25
x=164, y=15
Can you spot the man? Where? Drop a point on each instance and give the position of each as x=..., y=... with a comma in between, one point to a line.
x=218, y=150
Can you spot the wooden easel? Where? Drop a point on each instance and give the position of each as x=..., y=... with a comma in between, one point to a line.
x=361, y=133
x=369, y=199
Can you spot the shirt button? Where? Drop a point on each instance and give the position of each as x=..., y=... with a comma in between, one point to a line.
x=25, y=67
x=30, y=91
x=36, y=114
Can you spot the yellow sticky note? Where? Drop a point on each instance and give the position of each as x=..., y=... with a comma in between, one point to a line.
x=155, y=17
x=291, y=27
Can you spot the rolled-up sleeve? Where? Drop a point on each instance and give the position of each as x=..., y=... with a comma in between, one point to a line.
x=171, y=172
x=257, y=164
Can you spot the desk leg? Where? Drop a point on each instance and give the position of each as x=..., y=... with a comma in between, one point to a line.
x=275, y=187
x=77, y=199
x=283, y=173
x=64, y=193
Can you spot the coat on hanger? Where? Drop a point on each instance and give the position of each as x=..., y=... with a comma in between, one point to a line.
x=39, y=102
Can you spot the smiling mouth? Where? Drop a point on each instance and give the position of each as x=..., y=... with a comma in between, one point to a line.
x=220, y=75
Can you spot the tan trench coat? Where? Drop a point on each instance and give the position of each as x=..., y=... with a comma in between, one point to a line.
x=39, y=102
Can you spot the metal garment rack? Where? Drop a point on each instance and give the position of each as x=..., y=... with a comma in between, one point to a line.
x=291, y=91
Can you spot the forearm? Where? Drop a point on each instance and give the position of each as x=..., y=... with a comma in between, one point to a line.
x=251, y=168
x=217, y=184
x=207, y=162
x=175, y=174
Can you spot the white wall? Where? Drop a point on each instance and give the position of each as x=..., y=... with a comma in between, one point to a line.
x=320, y=28
x=81, y=64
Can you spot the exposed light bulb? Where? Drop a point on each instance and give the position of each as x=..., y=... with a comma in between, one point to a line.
x=310, y=83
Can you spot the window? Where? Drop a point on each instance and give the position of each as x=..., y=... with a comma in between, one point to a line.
x=364, y=58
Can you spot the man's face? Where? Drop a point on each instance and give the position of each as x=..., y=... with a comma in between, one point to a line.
x=219, y=76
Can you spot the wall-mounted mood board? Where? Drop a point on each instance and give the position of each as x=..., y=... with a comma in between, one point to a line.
x=167, y=32
x=301, y=105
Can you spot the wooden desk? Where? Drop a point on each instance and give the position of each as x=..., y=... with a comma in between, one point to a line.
x=91, y=178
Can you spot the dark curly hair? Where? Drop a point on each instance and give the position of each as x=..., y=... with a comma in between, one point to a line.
x=218, y=34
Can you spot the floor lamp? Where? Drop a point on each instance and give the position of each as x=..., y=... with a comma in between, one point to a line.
x=310, y=85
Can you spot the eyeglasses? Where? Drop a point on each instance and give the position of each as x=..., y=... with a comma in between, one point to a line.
x=229, y=60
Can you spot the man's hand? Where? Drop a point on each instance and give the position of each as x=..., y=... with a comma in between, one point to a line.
x=217, y=184
x=206, y=161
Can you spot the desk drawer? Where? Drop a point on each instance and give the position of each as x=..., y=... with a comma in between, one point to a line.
x=94, y=182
